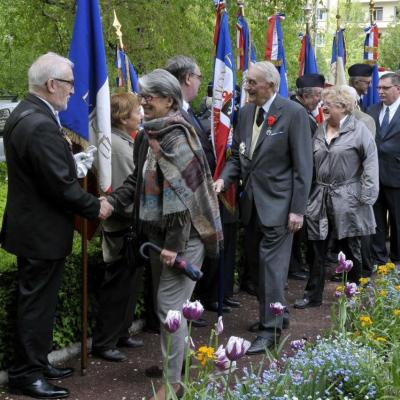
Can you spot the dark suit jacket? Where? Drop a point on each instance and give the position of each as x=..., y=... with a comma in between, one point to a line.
x=43, y=189
x=388, y=146
x=278, y=177
x=204, y=137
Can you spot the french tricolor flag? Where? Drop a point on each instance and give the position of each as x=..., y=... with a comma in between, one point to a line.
x=371, y=56
x=274, y=51
x=307, y=62
x=338, y=60
x=88, y=113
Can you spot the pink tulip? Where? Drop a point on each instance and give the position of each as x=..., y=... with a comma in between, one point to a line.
x=173, y=321
x=192, y=310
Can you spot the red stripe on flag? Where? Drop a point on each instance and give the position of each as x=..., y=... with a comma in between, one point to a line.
x=270, y=38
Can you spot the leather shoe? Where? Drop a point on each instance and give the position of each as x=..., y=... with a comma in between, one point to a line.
x=213, y=306
x=306, y=303
x=254, y=328
x=130, y=342
x=40, y=389
x=110, y=355
x=298, y=275
x=250, y=288
x=260, y=344
x=200, y=323
x=51, y=372
x=231, y=302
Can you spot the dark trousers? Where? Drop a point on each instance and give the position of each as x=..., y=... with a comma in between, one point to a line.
x=351, y=247
x=38, y=285
x=367, y=256
x=117, y=298
x=388, y=201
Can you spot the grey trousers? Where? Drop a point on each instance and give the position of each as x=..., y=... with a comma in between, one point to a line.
x=173, y=288
x=274, y=257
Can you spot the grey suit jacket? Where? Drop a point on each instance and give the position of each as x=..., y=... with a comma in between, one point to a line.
x=388, y=145
x=278, y=177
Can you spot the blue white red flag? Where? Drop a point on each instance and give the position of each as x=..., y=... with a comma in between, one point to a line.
x=127, y=76
x=223, y=99
x=371, y=56
x=307, y=62
x=88, y=113
x=246, y=53
x=274, y=51
x=338, y=60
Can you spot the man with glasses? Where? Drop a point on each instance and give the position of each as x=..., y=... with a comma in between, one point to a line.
x=38, y=223
x=360, y=76
x=387, y=119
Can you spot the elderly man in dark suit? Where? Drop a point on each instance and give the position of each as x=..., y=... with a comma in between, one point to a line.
x=360, y=76
x=43, y=196
x=387, y=118
x=272, y=154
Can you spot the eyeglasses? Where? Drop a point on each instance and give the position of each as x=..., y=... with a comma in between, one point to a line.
x=71, y=82
x=148, y=98
x=249, y=82
x=385, y=88
x=199, y=77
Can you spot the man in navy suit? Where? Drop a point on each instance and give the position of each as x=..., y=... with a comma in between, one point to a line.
x=387, y=118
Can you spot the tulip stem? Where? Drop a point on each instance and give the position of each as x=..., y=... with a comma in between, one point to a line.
x=166, y=366
x=227, y=381
x=187, y=356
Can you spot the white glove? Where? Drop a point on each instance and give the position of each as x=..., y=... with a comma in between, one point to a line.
x=84, y=161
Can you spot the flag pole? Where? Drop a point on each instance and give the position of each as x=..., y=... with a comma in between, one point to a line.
x=371, y=11
x=337, y=39
x=117, y=25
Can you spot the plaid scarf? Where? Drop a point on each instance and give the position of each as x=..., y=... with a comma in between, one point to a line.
x=180, y=181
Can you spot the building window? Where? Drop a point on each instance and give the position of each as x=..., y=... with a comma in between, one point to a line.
x=378, y=13
x=321, y=14
x=319, y=40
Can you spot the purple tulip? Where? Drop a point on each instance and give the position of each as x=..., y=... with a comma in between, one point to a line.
x=222, y=362
x=192, y=310
x=236, y=348
x=173, y=321
x=298, y=344
x=219, y=326
x=350, y=289
x=277, y=309
x=343, y=264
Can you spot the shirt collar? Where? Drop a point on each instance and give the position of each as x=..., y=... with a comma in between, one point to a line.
x=185, y=105
x=52, y=109
x=266, y=106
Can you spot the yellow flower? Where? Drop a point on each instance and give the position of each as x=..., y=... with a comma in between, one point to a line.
x=382, y=293
x=365, y=320
x=205, y=354
x=390, y=266
x=383, y=270
x=396, y=312
x=380, y=339
x=339, y=288
x=364, y=281
x=397, y=287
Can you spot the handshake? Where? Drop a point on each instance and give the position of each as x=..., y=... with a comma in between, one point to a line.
x=106, y=208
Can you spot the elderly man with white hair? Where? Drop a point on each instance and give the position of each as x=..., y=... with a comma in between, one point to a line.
x=271, y=153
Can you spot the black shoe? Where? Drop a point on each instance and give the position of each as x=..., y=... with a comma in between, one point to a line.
x=51, y=372
x=260, y=344
x=298, y=276
x=250, y=288
x=130, y=342
x=200, y=323
x=231, y=302
x=213, y=306
x=110, y=355
x=306, y=303
x=254, y=328
x=40, y=389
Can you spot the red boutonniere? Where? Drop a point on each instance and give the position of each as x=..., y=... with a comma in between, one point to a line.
x=270, y=122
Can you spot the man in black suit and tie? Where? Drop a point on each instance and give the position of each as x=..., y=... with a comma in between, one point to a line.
x=272, y=154
x=387, y=118
x=43, y=196
x=360, y=76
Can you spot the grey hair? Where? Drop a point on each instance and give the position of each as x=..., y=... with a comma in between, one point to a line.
x=394, y=77
x=180, y=66
x=342, y=95
x=270, y=72
x=49, y=65
x=163, y=83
